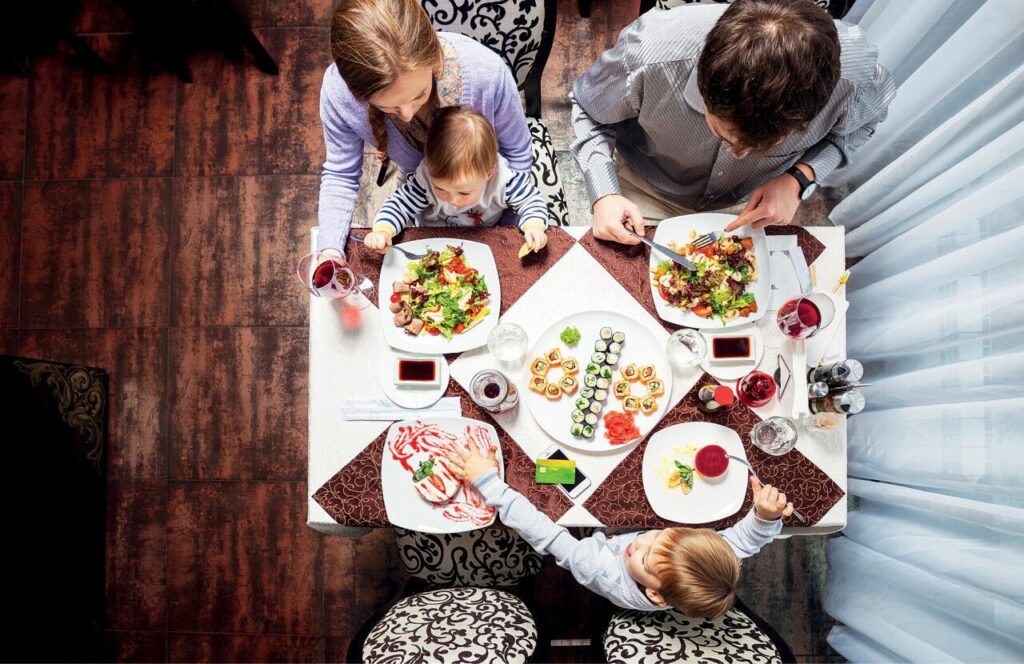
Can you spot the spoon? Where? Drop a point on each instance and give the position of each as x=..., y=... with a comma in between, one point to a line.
x=800, y=517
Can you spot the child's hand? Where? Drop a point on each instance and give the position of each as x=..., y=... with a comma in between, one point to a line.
x=769, y=502
x=470, y=464
x=378, y=241
x=535, y=237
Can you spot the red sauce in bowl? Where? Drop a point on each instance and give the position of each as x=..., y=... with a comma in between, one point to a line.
x=710, y=461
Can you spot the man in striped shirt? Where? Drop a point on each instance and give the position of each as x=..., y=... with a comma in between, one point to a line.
x=704, y=106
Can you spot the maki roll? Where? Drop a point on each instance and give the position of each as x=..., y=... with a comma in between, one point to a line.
x=538, y=384
x=539, y=367
x=582, y=403
x=588, y=431
x=615, y=347
x=631, y=404
x=619, y=338
x=647, y=372
x=603, y=383
x=587, y=393
x=578, y=416
x=601, y=395
x=600, y=345
x=553, y=392
x=631, y=373
x=605, y=372
x=598, y=359
x=591, y=419
x=621, y=389
x=590, y=380
x=595, y=407
x=568, y=384
x=606, y=333
x=655, y=387
x=647, y=405
x=593, y=367
x=612, y=358
x=554, y=357
x=570, y=365
x=576, y=429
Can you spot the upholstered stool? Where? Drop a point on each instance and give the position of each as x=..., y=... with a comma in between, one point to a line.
x=639, y=637
x=454, y=625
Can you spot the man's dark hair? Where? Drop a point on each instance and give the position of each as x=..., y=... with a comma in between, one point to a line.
x=768, y=68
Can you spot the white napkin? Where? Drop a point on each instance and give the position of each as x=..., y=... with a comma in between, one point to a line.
x=387, y=411
x=790, y=274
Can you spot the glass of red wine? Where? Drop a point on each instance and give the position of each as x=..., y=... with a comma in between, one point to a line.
x=805, y=316
x=756, y=389
x=327, y=274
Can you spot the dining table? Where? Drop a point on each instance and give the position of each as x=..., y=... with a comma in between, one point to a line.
x=575, y=272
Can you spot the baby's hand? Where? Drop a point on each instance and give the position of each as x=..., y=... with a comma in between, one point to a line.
x=378, y=241
x=535, y=238
x=769, y=502
x=470, y=464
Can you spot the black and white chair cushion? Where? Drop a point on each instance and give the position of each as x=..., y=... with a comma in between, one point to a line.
x=453, y=625
x=544, y=172
x=488, y=557
x=638, y=637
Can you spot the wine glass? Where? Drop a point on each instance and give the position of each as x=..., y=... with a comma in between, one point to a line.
x=686, y=348
x=805, y=316
x=326, y=273
x=755, y=389
x=775, y=435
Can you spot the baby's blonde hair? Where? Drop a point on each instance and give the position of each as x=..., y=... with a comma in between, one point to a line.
x=698, y=571
x=460, y=143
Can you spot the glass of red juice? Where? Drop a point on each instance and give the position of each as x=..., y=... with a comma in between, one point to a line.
x=805, y=316
x=755, y=389
x=327, y=274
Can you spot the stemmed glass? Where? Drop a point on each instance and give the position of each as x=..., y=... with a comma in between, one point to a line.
x=805, y=316
x=326, y=273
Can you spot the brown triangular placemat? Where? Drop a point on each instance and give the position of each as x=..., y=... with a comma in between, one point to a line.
x=620, y=501
x=516, y=275
x=809, y=245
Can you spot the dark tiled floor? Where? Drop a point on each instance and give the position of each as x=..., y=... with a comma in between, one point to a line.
x=150, y=227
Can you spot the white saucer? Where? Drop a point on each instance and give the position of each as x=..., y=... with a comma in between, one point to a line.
x=733, y=371
x=412, y=397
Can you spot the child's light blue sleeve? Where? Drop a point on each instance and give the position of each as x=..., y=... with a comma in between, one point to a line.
x=403, y=206
x=751, y=534
x=523, y=196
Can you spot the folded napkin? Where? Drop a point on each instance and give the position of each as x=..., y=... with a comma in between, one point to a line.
x=790, y=274
x=388, y=411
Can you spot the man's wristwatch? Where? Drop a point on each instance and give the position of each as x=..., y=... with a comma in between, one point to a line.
x=807, y=187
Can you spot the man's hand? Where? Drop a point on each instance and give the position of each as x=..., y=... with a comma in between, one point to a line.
x=378, y=241
x=612, y=213
x=769, y=502
x=470, y=464
x=774, y=202
x=535, y=237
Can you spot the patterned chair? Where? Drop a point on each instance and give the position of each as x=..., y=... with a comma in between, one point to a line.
x=521, y=32
x=838, y=8
x=467, y=600
x=636, y=637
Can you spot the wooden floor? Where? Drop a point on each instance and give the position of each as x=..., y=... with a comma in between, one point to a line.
x=150, y=227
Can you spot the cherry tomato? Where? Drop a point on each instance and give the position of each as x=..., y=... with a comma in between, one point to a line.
x=433, y=331
x=664, y=293
x=395, y=297
x=708, y=251
x=701, y=310
x=459, y=328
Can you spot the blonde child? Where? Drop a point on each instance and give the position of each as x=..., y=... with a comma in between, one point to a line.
x=461, y=181
x=694, y=570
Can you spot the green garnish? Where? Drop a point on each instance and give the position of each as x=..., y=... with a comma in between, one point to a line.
x=570, y=336
x=685, y=473
x=664, y=266
x=425, y=470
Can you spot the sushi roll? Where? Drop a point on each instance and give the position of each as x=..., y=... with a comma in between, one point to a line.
x=631, y=404
x=621, y=389
x=554, y=357
x=655, y=387
x=593, y=367
x=588, y=431
x=591, y=419
x=631, y=373
x=539, y=367
x=647, y=372
x=600, y=345
x=553, y=392
x=619, y=338
x=605, y=372
x=590, y=380
x=595, y=407
x=598, y=359
x=570, y=366
x=568, y=384
x=615, y=347
x=648, y=405
x=612, y=358
x=582, y=403
x=576, y=429
x=578, y=415
x=538, y=384
x=601, y=395
x=587, y=393
x=606, y=334
x=603, y=383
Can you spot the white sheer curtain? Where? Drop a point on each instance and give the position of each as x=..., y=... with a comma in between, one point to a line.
x=931, y=565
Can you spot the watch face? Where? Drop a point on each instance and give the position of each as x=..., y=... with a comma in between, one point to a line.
x=809, y=191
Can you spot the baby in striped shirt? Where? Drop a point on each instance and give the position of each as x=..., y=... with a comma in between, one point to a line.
x=461, y=181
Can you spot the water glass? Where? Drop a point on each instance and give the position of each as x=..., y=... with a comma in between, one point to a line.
x=775, y=435
x=686, y=348
x=507, y=342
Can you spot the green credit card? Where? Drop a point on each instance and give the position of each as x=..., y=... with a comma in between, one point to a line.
x=556, y=471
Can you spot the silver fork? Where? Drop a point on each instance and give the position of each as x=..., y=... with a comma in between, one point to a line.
x=408, y=254
x=796, y=512
x=705, y=240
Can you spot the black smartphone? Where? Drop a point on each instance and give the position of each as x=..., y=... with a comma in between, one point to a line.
x=582, y=482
